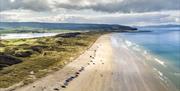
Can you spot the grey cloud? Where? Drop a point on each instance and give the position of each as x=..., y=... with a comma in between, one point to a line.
x=126, y=19
x=127, y=6
x=130, y=19
x=35, y=5
x=96, y=5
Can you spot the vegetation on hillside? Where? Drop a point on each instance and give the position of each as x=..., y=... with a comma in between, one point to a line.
x=25, y=60
x=63, y=26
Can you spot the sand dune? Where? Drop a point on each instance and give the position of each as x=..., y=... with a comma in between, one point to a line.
x=103, y=68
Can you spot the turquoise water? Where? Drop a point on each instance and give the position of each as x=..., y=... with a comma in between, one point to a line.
x=163, y=43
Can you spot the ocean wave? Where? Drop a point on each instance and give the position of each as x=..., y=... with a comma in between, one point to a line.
x=161, y=75
x=132, y=45
x=136, y=48
x=159, y=61
x=128, y=43
x=145, y=52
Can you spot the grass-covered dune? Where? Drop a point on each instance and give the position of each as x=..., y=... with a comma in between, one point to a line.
x=25, y=60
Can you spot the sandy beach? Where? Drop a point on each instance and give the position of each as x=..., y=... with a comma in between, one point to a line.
x=106, y=66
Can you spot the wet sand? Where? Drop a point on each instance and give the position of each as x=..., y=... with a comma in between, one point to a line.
x=104, y=67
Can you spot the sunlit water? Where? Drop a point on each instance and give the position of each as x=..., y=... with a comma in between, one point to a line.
x=25, y=35
x=164, y=45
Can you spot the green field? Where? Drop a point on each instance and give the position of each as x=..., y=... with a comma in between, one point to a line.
x=39, y=56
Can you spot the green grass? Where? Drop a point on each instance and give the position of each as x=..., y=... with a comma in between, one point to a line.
x=48, y=55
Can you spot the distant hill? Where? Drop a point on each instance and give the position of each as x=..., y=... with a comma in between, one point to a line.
x=164, y=26
x=65, y=26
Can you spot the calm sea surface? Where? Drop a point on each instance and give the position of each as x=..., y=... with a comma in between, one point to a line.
x=25, y=35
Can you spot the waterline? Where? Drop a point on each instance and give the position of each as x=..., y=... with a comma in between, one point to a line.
x=163, y=68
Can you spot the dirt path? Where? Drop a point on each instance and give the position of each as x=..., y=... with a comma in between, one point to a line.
x=103, y=68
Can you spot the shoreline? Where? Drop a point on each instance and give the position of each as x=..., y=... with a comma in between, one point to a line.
x=163, y=69
x=107, y=66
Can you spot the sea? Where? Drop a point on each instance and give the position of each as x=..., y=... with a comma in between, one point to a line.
x=25, y=35
x=164, y=45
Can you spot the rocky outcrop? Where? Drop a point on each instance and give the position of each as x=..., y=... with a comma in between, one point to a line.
x=68, y=35
x=23, y=54
x=38, y=48
x=6, y=60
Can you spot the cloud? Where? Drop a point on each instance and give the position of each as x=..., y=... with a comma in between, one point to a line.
x=168, y=17
x=121, y=5
x=109, y=6
x=35, y=5
x=128, y=12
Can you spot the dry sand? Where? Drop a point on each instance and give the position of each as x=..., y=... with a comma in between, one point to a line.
x=105, y=68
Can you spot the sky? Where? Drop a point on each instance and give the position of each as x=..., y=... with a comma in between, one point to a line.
x=123, y=12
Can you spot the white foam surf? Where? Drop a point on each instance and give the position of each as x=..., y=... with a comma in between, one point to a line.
x=128, y=43
x=159, y=61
